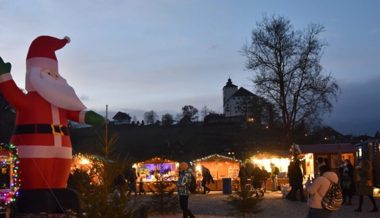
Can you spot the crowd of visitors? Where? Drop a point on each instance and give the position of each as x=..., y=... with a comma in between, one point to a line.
x=352, y=181
x=253, y=178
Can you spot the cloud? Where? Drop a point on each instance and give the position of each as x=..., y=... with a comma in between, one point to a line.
x=375, y=30
x=213, y=47
x=357, y=109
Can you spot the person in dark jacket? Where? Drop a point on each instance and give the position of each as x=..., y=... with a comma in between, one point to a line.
x=243, y=175
x=257, y=177
x=206, y=179
x=298, y=176
x=364, y=179
x=132, y=181
x=295, y=179
x=347, y=181
x=291, y=176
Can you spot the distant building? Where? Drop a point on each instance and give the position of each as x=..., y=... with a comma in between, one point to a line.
x=235, y=100
x=121, y=118
x=239, y=103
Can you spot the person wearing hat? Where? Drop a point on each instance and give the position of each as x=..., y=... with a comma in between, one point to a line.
x=183, y=185
x=41, y=133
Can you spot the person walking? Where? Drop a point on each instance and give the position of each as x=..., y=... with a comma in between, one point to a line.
x=317, y=191
x=206, y=179
x=364, y=178
x=183, y=185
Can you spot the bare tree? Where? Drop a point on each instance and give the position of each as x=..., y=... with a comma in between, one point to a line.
x=287, y=68
x=150, y=117
x=204, y=112
x=167, y=119
x=189, y=114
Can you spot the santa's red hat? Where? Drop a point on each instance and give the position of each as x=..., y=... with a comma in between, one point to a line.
x=41, y=54
x=45, y=47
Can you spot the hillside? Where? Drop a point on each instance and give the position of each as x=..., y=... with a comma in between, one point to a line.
x=177, y=142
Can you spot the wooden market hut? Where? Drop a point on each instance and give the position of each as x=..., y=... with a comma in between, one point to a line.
x=156, y=169
x=370, y=150
x=220, y=167
x=265, y=159
x=280, y=159
x=332, y=153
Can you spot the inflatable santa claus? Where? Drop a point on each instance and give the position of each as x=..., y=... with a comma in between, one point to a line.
x=41, y=134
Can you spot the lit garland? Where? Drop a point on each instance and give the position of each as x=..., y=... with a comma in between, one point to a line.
x=210, y=157
x=8, y=196
x=90, y=164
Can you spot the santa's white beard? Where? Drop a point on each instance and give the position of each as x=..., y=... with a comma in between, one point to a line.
x=56, y=91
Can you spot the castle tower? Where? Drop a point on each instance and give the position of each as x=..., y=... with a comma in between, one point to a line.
x=228, y=90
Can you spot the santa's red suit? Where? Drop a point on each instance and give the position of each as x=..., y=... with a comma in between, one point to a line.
x=41, y=134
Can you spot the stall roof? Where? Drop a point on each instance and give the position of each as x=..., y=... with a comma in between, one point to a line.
x=276, y=154
x=328, y=148
x=158, y=160
x=216, y=157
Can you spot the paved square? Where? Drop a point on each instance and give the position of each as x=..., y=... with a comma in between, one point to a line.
x=274, y=206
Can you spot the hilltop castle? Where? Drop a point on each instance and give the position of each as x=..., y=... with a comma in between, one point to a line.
x=239, y=102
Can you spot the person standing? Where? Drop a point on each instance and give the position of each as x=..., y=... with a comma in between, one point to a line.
x=292, y=179
x=298, y=179
x=141, y=184
x=183, y=185
x=257, y=178
x=365, y=184
x=243, y=175
x=265, y=177
x=347, y=182
x=274, y=173
x=317, y=191
x=132, y=181
x=319, y=163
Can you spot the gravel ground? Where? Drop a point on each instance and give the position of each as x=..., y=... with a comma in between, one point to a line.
x=274, y=206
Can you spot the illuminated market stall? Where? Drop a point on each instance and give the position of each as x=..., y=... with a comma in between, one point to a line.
x=92, y=165
x=9, y=177
x=266, y=159
x=279, y=160
x=154, y=170
x=220, y=167
x=333, y=154
x=157, y=168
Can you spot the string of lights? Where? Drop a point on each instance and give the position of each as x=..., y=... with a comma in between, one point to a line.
x=9, y=158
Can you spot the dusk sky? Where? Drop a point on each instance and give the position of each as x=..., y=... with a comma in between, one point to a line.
x=163, y=54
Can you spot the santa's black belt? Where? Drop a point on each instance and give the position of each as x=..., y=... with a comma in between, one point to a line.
x=41, y=128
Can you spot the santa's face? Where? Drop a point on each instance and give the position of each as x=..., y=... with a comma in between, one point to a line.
x=52, y=87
